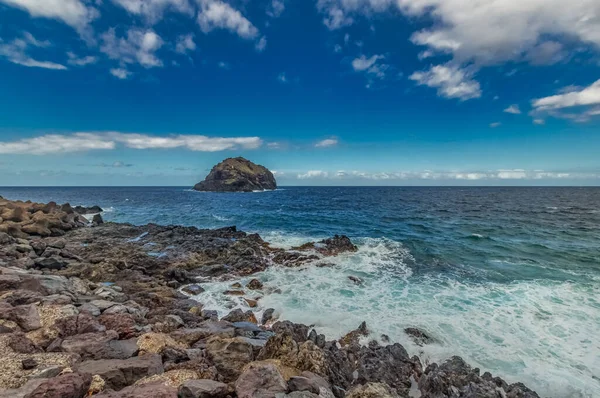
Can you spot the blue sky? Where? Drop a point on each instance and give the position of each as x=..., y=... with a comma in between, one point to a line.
x=323, y=92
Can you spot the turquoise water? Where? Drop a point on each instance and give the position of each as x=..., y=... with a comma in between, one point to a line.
x=508, y=278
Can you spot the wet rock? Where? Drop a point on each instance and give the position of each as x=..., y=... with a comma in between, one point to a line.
x=121, y=373
x=260, y=380
x=354, y=336
x=419, y=337
x=193, y=290
x=234, y=292
x=251, y=303
x=203, y=389
x=267, y=316
x=97, y=219
x=238, y=315
x=70, y=385
x=331, y=247
x=87, y=210
x=229, y=355
x=254, y=284
x=356, y=280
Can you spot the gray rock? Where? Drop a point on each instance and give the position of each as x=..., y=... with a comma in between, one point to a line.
x=260, y=380
x=121, y=373
x=203, y=389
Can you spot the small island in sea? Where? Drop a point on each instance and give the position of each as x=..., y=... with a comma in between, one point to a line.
x=112, y=310
x=237, y=175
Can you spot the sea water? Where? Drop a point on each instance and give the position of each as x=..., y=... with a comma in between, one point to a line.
x=507, y=278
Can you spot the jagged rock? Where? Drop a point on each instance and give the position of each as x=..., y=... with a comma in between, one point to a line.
x=87, y=210
x=419, y=337
x=260, y=380
x=69, y=385
x=26, y=316
x=121, y=373
x=354, y=336
x=298, y=331
x=331, y=246
x=204, y=330
x=304, y=357
x=267, y=316
x=372, y=390
x=97, y=219
x=238, y=315
x=237, y=175
x=229, y=355
x=310, y=382
x=203, y=389
x=254, y=284
x=51, y=263
x=390, y=364
x=193, y=290
x=23, y=345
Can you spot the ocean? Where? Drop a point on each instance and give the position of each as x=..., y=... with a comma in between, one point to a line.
x=507, y=278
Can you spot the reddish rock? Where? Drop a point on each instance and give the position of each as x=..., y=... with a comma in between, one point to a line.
x=70, y=385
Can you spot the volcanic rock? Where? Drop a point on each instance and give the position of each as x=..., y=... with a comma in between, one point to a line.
x=237, y=175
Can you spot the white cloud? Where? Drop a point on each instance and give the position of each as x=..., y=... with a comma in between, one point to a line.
x=539, y=121
x=282, y=77
x=313, y=174
x=72, y=12
x=276, y=8
x=273, y=145
x=78, y=142
x=54, y=143
x=451, y=81
x=16, y=52
x=583, y=97
x=216, y=14
x=120, y=73
x=153, y=10
x=486, y=32
x=224, y=65
x=583, y=103
x=261, y=44
x=363, y=63
x=139, y=46
x=495, y=124
x=185, y=43
x=493, y=175
x=329, y=142
x=514, y=109
x=81, y=61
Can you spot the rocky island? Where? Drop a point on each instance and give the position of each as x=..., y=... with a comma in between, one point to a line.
x=237, y=175
x=107, y=310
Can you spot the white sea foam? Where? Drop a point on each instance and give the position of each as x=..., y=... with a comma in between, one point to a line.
x=542, y=333
x=221, y=218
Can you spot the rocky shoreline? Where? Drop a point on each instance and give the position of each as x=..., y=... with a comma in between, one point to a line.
x=104, y=310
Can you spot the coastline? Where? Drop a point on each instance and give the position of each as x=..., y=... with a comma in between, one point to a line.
x=101, y=297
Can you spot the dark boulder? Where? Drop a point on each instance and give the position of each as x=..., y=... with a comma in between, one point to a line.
x=237, y=175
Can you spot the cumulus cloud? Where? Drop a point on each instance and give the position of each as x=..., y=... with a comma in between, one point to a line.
x=313, y=174
x=78, y=142
x=139, y=46
x=81, y=61
x=514, y=109
x=16, y=52
x=451, y=81
x=485, y=32
x=329, y=142
x=276, y=8
x=185, y=43
x=216, y=14
x=120, y=73
x=72, y=12
x=584, y=102
x=363, y=63
x=153, y=10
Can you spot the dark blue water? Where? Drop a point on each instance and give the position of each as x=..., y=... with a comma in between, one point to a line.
x=507, y=277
